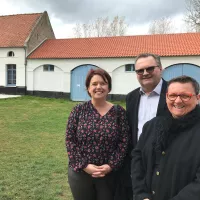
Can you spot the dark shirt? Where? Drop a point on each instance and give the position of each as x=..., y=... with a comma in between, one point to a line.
x=95, y=139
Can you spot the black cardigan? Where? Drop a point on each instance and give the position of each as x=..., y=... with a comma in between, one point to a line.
x=179, y=174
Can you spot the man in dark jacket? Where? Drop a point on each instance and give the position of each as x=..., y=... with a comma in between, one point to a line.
x=144, y=103
x=147, y=101
x=166, y=160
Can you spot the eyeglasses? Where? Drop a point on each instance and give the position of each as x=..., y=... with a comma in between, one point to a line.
x=149, y=70
x=184, y=97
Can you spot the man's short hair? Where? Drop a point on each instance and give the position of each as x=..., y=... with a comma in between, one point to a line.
x=186, y=79
x=145, y=55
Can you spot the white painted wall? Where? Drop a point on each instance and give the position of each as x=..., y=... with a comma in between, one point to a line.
x=18, y=59
x=123, y=82
x=48, y=80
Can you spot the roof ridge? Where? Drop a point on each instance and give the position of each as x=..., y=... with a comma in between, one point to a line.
x=127, y=36
x=22, y=14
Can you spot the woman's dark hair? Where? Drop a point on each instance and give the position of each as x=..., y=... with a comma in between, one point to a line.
x=186, y=79
x=105, y=76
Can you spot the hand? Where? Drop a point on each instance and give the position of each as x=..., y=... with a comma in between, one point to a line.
x=90, y=169
x=102, y=171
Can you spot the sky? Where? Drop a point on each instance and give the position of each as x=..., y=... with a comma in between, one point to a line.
x=64, y=14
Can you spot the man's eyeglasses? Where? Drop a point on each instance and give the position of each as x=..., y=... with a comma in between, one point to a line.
x=184, y=97
x=149, y=70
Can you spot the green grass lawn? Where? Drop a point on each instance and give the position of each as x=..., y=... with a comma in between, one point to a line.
x=33, y=158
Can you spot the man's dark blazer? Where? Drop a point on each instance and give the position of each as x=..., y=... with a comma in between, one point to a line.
x=124, y=188
x=132, y=108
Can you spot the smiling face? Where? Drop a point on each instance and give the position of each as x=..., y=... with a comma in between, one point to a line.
x=148, y=81
x=98, y=88
x=178, y=107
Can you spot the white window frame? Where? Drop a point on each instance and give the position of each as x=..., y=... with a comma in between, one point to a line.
x=129, y=65
x=11, y=72
x=48, y=68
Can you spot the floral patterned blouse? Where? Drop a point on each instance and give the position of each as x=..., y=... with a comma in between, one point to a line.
x=95, y=139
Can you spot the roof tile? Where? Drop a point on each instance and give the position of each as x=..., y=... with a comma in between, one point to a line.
x=16, y=28
x=181, y=44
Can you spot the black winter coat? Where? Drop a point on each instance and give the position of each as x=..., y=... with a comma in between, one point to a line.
x=178, y=177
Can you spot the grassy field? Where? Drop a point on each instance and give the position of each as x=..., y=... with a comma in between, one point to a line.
x=33, y=159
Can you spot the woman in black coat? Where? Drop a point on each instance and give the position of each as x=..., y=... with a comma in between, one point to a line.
x=166, y=161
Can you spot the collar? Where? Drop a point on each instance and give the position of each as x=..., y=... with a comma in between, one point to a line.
x=156, y=90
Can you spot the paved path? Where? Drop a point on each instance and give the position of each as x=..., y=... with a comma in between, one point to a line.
x=5, y=96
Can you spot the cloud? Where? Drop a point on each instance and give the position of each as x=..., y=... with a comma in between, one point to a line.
x=135, y=11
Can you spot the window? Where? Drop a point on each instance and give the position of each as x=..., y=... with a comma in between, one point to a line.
x=48, y=68
x=129, y=68
x=11, y=75
x=11, y=54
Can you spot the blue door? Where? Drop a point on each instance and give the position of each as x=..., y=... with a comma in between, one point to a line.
x=78, y=76
x=182, y=69
x=192, y=70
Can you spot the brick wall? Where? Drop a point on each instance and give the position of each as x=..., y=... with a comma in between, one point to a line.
x=43, y=30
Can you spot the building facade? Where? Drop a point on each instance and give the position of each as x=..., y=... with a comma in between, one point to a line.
x=33, y=62
x=63, y=80
x=71, y=59
x=20, y=34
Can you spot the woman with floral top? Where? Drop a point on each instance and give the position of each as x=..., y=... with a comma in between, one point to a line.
x=96, y=141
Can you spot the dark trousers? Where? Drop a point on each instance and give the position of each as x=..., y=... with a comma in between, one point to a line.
x=124, y=182
x=85, y=187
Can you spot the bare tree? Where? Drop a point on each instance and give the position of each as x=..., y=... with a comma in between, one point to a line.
x=152, y=27
x=102, y=27
x=78, y=30
x=105, y=26
x=97, y=27
x=163, y=25
x=122, y=26
x=187, y=28
x=192, y=17
x=87, y=30
x=114, y=26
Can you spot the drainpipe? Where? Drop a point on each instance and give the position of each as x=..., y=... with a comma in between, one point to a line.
x=25, y=64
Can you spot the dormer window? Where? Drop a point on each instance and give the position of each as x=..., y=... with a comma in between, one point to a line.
x=11, y=54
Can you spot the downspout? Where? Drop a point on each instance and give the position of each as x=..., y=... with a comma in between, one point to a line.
x=25, y=65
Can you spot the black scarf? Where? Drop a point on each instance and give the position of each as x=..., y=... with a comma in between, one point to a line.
x=168, y=128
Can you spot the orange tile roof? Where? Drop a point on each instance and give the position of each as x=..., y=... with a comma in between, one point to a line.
x=14, y=29
x=125, y=46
